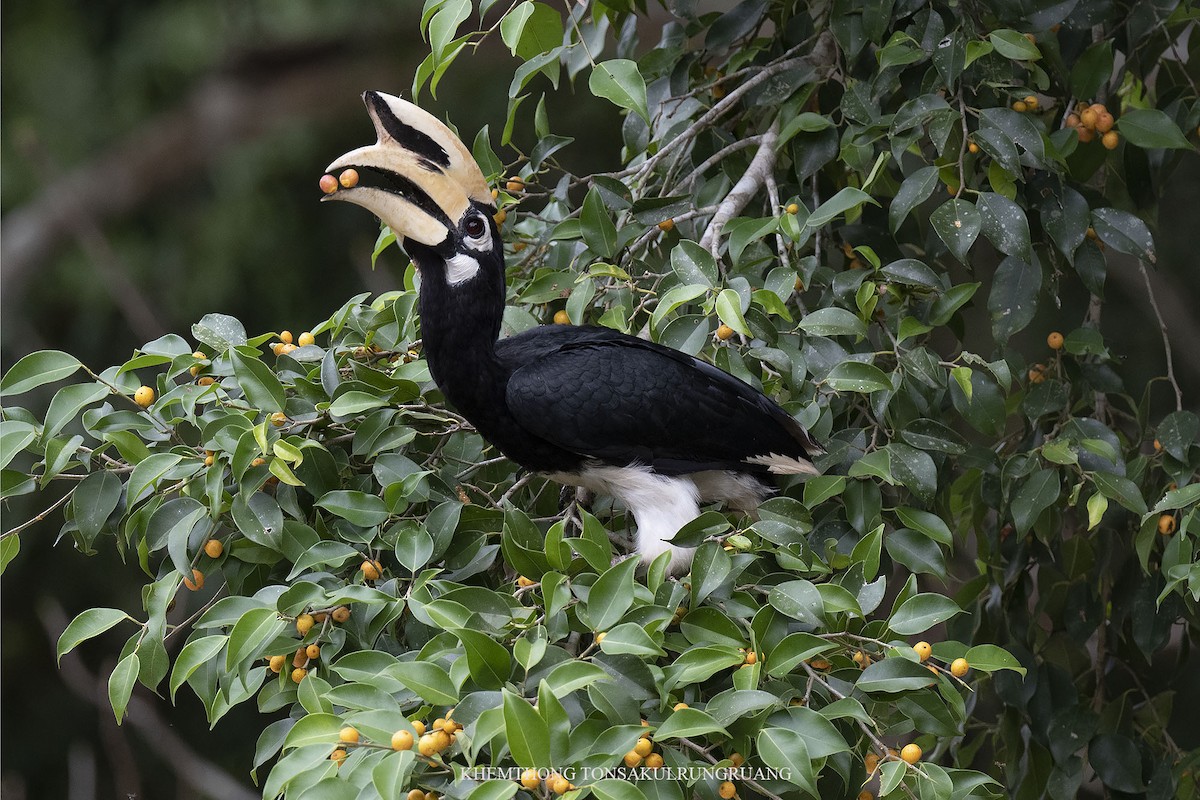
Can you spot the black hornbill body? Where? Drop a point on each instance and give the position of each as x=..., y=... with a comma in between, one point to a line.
x=587, y=406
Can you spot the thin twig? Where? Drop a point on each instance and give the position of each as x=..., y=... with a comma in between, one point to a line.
x=1162, y=327
x=753, y=784
x=712, y=161
x=61, y=501
x=504, y=498
x=728, y=102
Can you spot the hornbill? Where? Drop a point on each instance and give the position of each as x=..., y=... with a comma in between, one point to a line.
x=587, y=406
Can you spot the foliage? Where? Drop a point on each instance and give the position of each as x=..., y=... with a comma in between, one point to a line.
x=779, y=159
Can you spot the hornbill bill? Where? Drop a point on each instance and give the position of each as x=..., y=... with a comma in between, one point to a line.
x=586, y=406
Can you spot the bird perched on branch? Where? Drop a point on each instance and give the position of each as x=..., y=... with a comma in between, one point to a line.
x=655, y=428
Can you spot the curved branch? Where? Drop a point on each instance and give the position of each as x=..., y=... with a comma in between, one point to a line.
x=744, y=190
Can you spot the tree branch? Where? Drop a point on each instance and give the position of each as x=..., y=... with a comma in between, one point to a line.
x=744, y=190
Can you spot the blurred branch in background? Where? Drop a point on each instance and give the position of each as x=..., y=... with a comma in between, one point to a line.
x=223, y=111
x=203, y=777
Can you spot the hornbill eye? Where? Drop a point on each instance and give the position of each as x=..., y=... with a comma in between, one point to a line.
x=475, y=227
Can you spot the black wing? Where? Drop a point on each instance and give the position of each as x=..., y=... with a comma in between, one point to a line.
x=621, y=400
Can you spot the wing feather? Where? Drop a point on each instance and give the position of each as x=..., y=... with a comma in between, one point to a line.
x=622, y=400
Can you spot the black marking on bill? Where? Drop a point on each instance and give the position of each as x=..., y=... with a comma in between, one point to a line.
x=414, y=194
x=432, y=156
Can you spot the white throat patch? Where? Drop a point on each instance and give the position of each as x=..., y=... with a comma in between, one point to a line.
x=461, y=268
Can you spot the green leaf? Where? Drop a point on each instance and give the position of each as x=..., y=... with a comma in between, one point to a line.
x=916, y=551
x=89, y=623
x=857, y=376
x=596, y=225
x=219, y=331
x=427, y=680
x=68, y=402
x=444, y=25
x=194, y=655
x=1038, y=492
x=957, y=223
x=495, y=789
x=615, y=789
x=1005, y=225
x=360, y=508
x=694, y=265
x=819, y=734
x=15, y=436
x=915, y=469
x=38, y=369
x=786, y=752
x=316, y=728
x=921, y=612
x=915, y=190
x=929, y=524
x=262, y=389
x=1092, y=69
x=147, y=474
x=820, y=488
x=729, y=311
x=488, y=660
x=10, y=547
x=912, y=272
x=94, y=500
x=1117, y=762
x=121, y=683
x=1178, y=498
x=673, y=299
x=527, y=733
x=354, y=402
x=700, y=663
x=794, y=648
x=630, y=638
x=990, y=658
x=1014, y=45
x=1149, y=127
x=804, y=122
x=1124, y=232
x=1097, y=504
x=894, y=674
x=1013, y=301
x=620, y=82
x=845, y=200
x=891, y=775
x=390, y=776
x=251, y=634
x=531, y=29
x=688, y=722
x=570, y=676
x=1177, y=433
x=799, y=600
x=1121, y=489
x=610, y=596
x=833, y=321
x=929, y=434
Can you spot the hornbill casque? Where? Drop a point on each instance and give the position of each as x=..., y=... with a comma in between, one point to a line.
x=587, y=406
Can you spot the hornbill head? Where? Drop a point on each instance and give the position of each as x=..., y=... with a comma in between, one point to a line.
x=431, y=194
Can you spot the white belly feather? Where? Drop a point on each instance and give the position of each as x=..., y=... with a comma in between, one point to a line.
x=662, y=504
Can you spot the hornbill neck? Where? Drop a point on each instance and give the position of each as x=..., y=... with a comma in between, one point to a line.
x=460, y=323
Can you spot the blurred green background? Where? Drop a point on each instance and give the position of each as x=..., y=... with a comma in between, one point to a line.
x=161, y=162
